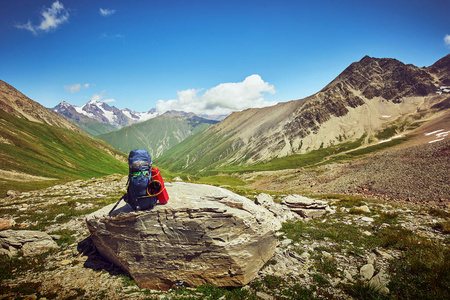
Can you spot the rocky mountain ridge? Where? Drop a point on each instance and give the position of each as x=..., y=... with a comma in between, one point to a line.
x=365, y=99
x=97, y=117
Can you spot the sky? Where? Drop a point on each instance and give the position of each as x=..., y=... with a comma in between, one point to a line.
x=205, y=56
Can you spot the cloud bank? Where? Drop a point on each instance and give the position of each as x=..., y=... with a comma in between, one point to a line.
x=52, y=17
x=447, y=40
x=107, y=12
x=222, y=99
x=75, y=88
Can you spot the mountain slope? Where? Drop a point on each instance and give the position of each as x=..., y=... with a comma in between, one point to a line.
x=14, y=102
x=365, y=99
x=159, y=134
x=46, y=147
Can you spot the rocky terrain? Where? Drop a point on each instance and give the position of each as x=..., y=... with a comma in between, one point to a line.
x=408, y=173
x=343, y=247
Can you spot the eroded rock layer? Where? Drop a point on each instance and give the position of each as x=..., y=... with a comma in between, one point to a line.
x=204, y=235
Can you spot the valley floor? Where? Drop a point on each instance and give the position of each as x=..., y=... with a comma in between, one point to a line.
x=324, y=258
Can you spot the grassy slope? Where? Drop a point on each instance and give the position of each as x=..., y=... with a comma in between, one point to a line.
x=197, y=146
x=53, y=152
x=95, y=128
x=165, y=131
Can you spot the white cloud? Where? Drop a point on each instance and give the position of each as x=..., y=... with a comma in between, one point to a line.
x=222, y=99
x=52, y=17
x=112, y=37
x=99, y=98
x=447, y=40
x=107, y=12
x=75, y=88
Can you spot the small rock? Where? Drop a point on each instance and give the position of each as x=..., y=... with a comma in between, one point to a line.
x=367, y=233
x=371, y=259
x=305, y=255
x=363, y=208
x=348, y=276
x=6, y=223
x=367, y=271
x=65, y=262
x=380, y=282
x=12, y=193
x=264, y=296
x=367, y=219
x=382, y=254
x=177, y=179
x=286, y=242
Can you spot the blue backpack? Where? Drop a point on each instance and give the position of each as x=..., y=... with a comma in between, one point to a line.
x=139, y=178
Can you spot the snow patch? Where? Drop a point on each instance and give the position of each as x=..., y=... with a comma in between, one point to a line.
x=388, y=140
x=439, y=135
x=434, y=141
x=81, y=111
x=434, y=132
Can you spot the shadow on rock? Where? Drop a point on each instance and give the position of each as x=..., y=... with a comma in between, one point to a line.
x=95, y=260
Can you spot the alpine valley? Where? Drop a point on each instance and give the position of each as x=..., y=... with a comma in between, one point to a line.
x=39, y=147
x=340, y=195
x=158, y=134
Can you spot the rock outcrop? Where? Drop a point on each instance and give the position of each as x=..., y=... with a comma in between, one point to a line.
x=204, y=235
x=30, y=242
x=306, y=207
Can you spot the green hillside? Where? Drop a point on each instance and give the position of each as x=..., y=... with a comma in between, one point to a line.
x=156, y=135
x=52, y=152
x=204, y=150
x=94, y=128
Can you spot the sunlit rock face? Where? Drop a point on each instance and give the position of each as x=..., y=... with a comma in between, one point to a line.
x=204, y=235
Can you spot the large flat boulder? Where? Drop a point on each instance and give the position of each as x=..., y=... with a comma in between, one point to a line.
x=204, y=235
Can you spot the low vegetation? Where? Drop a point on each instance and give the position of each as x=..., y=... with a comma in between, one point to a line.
x=51, y=152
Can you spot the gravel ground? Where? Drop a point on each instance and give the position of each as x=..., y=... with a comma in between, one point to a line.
x=417, y=174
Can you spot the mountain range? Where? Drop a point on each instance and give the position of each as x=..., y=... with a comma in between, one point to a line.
x=97, y=117
x=370, y=98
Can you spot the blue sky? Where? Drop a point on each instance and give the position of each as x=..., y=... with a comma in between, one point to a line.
x=209, y=56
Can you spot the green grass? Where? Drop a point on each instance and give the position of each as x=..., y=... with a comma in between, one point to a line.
x=52, y=152
x=422, y=271
x=221, y=180
x=387, y=133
